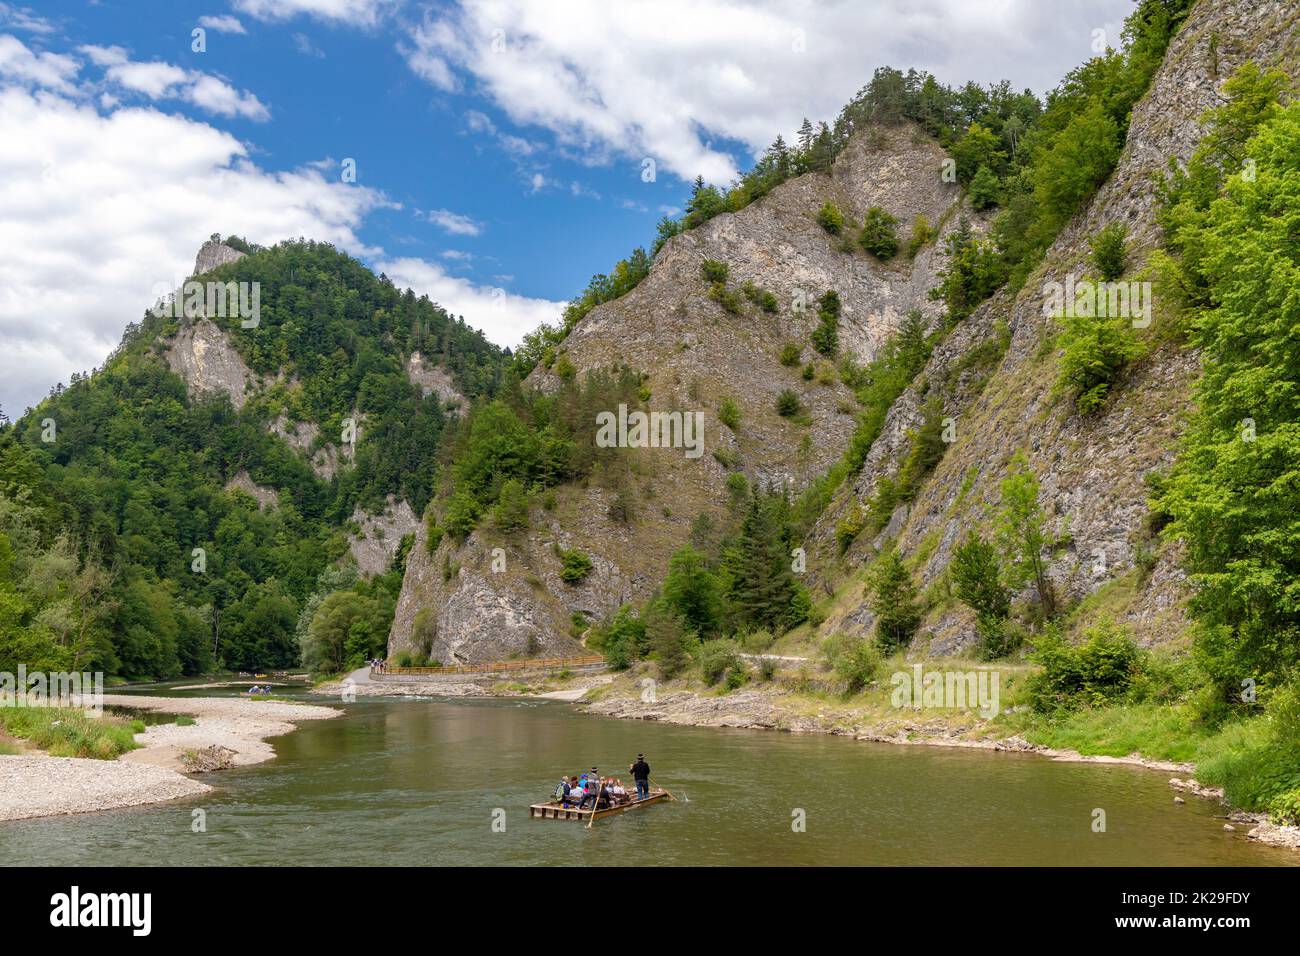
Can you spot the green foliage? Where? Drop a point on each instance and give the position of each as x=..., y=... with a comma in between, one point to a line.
x=729, y=299
x=787, y=404
x=692, y=592
x=1096, y=672
x=974, y=271
x=826, y=336
x=755, y=570
x=979, y=149
x=729, y=413
x=137, y=478
x=853, y=660
x=574, y=565
x=922, y=233
x=667, y=641
x=622, y=638
x=762, y=298
x=714, y=271
x=1230, y=495
x=879, y=234
x=1109, y=253
x=1021, y=534
x=977, y=577
x=984, y=189
x=68, y=732
x=830, y=218
x=718, y=658
x=790, y=354
x=1096, y=348
x=511, y=510
x=892, y=594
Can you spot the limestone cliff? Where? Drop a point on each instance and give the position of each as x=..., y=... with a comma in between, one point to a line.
x=1091, y=471
x=695, y=354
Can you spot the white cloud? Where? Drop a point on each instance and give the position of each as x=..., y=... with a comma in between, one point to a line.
x=222, y=24
x=454, y=222
x=24, y=18
x=99, y=209
x=502, y=316
x=158, y=80
x=355, y=12
x=52, y=70
x=670, y=79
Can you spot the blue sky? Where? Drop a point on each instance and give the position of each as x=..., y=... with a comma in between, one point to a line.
x=499, y=144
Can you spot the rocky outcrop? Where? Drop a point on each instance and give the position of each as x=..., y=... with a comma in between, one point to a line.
x=203, y=356
x=434, y=380
x=374, y=544
x=695, y=354
x=265, y=497
x=213, y=254
x=1091, y=470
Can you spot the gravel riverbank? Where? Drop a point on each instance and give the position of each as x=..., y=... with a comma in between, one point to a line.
x=226, y=732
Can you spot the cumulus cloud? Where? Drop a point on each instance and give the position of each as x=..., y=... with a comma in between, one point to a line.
x=52, y=70
x=159, y=80
x=102, y=208
x=222, y=24
x=502, y=316
x=677, y=79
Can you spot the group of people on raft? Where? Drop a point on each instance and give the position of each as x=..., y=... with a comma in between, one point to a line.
x=590, y=790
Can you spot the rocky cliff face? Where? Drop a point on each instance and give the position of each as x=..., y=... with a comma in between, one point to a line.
x=213, y=254
x=1091, y=471
x=695, y=354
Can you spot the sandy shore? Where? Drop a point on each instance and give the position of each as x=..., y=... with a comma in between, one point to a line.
x=227, y=732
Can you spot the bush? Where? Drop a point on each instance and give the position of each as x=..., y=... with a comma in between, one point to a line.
x=830, y=218
x=727, y=298
x=1096, y=672
x=809, y=372
x=714, y=271
x=921, y=235
x=767, y=669
x=1108, y=251
x=790, y=354
x=998, y=637
x=729, y=413
x=574, y=565
x=787, y=404
x=984, y=189
x=717, y=658
x=852, y=659
x=760, y=297
x=1096, y=349
x=878, y=235
x=737, y=676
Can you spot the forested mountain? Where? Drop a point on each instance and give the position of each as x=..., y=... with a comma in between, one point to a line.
x=152, y=523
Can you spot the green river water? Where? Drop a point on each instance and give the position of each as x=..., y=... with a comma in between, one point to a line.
x=420, y=782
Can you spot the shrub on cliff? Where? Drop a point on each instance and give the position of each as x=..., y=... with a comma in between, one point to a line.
x=879, y=235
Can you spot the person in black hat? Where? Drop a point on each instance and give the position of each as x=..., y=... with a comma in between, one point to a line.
x=641, y=774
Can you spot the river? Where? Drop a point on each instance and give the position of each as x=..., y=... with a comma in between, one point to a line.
x=431, y=782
